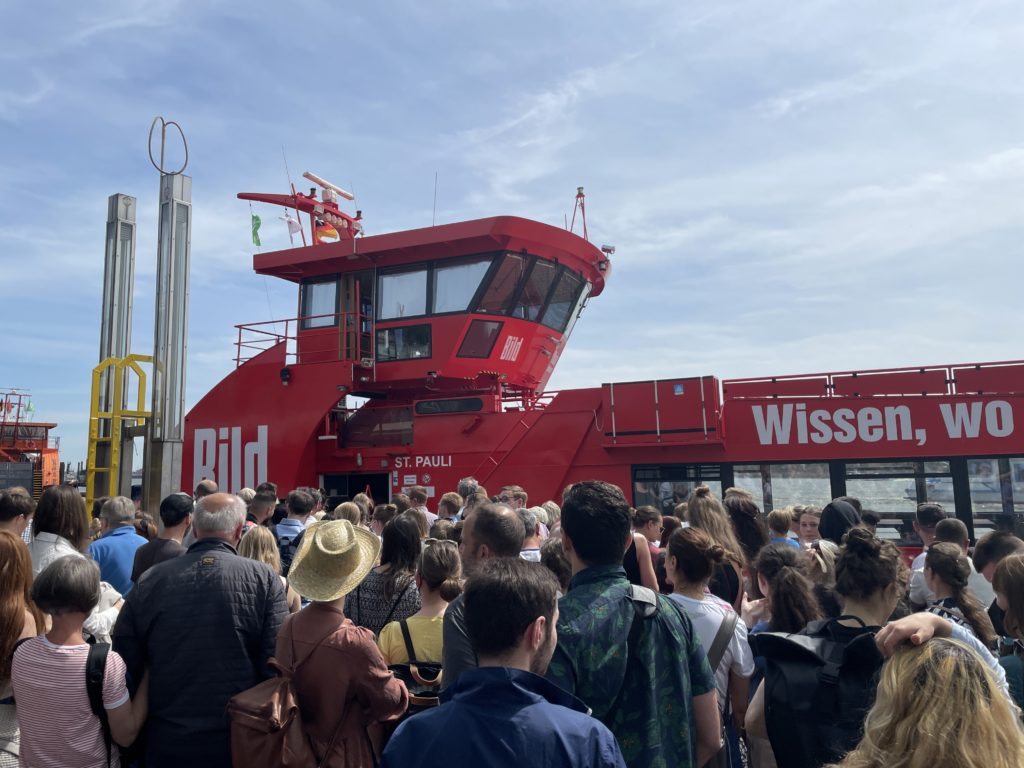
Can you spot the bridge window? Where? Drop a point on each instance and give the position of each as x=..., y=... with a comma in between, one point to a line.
x=320, y=304
x=503, y=285
x=480, y=338
x=442, y=407
x=455, y=285
x=563, y=301
x=402, y=294
x=411, y=342
x=535, y=292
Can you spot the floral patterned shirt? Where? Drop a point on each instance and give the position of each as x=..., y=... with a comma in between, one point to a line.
x=652, y=715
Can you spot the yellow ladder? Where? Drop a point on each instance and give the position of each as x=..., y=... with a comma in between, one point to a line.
x=118, y=418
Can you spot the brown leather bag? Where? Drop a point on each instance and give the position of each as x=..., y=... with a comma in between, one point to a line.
x=266, y=724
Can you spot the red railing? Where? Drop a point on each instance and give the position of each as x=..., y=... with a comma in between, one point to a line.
x=255, y=338
x=965, y=379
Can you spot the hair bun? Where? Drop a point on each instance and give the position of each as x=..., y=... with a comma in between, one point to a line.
x=450, y=588
x=862, y=541
x=701, y=491
x=716, y=553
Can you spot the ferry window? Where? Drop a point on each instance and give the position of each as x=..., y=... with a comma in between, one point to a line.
x=775, y=486
x=480, y=338
x=665, y=487
x=455, y=285
x=997, y=490
x=894, y=489
x=563, y=301
x=751, y=479
x=408, y=343
x=320, y=304
x=440, y=407
x=402, y=294
x=535, y=292
x=503, y=284
x=372, y=427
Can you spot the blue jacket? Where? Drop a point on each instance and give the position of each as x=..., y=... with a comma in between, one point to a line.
x=498, y=716
x=114, y=552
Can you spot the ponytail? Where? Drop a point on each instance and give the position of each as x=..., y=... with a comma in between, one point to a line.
x=791, y=594
x=948, y=564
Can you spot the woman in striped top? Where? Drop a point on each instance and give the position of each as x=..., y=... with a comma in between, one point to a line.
x=58, y=728
x=19, y=618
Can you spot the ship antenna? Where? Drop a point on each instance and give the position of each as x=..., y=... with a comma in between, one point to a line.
x=295, y=203
x=581, y=206
x=433, y=217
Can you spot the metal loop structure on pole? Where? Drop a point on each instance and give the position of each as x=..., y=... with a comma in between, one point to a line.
x=163, y=145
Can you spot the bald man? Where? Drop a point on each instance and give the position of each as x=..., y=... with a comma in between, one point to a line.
x=205, y=488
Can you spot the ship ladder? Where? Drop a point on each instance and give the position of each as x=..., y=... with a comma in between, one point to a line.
x=108, y=427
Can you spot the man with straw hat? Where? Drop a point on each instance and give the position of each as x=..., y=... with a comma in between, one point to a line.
x=341, y=680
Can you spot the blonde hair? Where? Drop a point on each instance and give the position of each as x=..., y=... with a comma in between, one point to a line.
x=938, y=704
x=705, y=511
x=349, y=510
x=820, y=564
x=258, y=544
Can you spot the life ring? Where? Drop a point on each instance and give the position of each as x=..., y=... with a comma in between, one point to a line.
x=31, y=445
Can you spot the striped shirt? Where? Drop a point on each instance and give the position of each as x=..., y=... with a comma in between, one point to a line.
x=58, y=729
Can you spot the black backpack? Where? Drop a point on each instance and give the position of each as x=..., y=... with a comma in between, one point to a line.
x=288, y=546
x=817, y=691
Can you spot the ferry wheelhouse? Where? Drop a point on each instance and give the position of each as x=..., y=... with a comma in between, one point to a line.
x=29, y=455
x=420, y=357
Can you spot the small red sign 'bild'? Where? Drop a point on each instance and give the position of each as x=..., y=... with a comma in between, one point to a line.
x=889, y=427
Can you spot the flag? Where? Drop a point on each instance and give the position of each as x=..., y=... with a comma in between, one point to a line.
x=255, y=229
x=30, y=408
x=325, y=233
x=293, y=226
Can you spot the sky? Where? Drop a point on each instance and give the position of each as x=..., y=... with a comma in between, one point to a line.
x=790, y=187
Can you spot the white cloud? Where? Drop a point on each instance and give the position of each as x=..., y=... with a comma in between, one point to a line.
x=17, y=98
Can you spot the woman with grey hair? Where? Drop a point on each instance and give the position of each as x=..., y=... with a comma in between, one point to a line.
x=554, y=515
x=57, y=723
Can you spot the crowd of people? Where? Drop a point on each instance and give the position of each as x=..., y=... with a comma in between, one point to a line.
x=476, y=629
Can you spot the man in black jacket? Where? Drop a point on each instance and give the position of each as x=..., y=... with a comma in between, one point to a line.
x=203, y=625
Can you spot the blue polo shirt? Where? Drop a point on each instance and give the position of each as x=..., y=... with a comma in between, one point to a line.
x=503, y=718
x=114, y=553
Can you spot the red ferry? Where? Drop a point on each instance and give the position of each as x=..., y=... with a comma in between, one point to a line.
x=29, y=455
x=448, y=335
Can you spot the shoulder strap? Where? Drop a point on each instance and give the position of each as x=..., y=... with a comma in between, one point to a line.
x=721, y=641
x=394, y=605
x=645, y=605
x=408, y=640
x=296, y=663
x=95, y=667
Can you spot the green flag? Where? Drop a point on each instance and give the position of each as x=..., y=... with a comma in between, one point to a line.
x=255, y=229
x=31, y=408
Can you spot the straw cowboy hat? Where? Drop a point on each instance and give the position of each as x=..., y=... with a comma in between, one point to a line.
x=333, y=558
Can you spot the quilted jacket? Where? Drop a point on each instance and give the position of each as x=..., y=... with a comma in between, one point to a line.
x=204, y=624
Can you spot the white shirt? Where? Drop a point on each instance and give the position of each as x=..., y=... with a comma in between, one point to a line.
x=921, y=595
x=707, y=616
x=48, y=547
